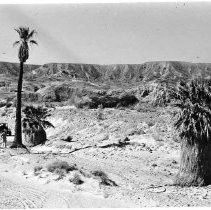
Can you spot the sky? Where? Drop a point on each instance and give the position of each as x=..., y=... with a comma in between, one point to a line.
x=110, y=33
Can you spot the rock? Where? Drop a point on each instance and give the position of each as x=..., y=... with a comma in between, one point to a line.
x=24, y=173
x=47, y=181
x=101, y=137
x=174, y=162
x=158, y=189
x=43, y=175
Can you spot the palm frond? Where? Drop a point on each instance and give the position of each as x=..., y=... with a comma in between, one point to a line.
x=16, y=43
x=33, y=42
x=25, y=39
x=32, y=33
x=194, y=118
x=18, y=31
x=47, y=124
x=37, y=116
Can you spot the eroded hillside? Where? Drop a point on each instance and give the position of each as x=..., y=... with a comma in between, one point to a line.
x=84, y=84
x=123, y=73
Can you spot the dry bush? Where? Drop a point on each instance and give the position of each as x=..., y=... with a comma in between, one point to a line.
x=37, y=169
x=60, y=165
x=99, y=114
x=104, y=180
x=60, y=172
x=3, y=114
x=3, y=103
x=76, y=179
x=67, y=139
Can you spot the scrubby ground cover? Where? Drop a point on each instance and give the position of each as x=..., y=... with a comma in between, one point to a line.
x=125, y=155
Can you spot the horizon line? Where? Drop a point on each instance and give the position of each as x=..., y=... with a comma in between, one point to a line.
x=108, y=64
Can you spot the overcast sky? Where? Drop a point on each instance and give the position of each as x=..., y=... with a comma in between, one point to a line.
x=110, y=33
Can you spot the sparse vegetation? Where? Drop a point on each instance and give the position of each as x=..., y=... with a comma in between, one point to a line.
x=60, y=165
x=67, y=139
x=99, y=114
x=37, y=169
x=161, y=95
x=104, y=180
x=76, y=179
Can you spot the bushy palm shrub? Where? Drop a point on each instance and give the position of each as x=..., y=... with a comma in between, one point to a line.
x=37, y=116
x=34, y=123
x=161, y=95
x=194, y=126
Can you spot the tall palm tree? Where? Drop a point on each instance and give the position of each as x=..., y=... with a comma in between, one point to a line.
x=194, y=125
x=25, y=35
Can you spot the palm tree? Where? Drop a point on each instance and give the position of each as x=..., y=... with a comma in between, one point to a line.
x=161, y=95
x=194, y=126
x=34, y=123
x=25, y=36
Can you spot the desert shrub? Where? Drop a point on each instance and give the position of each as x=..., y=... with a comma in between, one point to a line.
x=67, y=139
x=85, y=173
x=60, y=172
x=3, y=114
x=37, y=169
x=150, y=124
x=104, y=180
x=9, y=104
x=99, y=114
x=3, y=103
x=76, y=179
x=60, y=165
x=162, y=95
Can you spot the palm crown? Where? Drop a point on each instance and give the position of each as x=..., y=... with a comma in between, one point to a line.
x=26, y=38
x=194, y=120
x=36, y=116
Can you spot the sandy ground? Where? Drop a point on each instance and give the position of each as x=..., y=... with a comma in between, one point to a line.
x=143, y=169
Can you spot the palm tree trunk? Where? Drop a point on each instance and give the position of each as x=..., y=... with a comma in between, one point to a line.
x=18, y=126
x=195, y=165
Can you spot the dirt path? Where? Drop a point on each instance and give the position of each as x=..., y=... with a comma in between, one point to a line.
x=21, y=195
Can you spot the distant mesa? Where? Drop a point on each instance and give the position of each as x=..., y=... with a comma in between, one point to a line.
x=120, y=73
x=124, y=73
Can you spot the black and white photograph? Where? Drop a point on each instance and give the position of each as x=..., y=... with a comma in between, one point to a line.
x=105, y=104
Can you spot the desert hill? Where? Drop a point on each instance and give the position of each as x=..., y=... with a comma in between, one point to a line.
x=123, y=73
x=117, y=73
x=91, y=85
x=12, y=69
